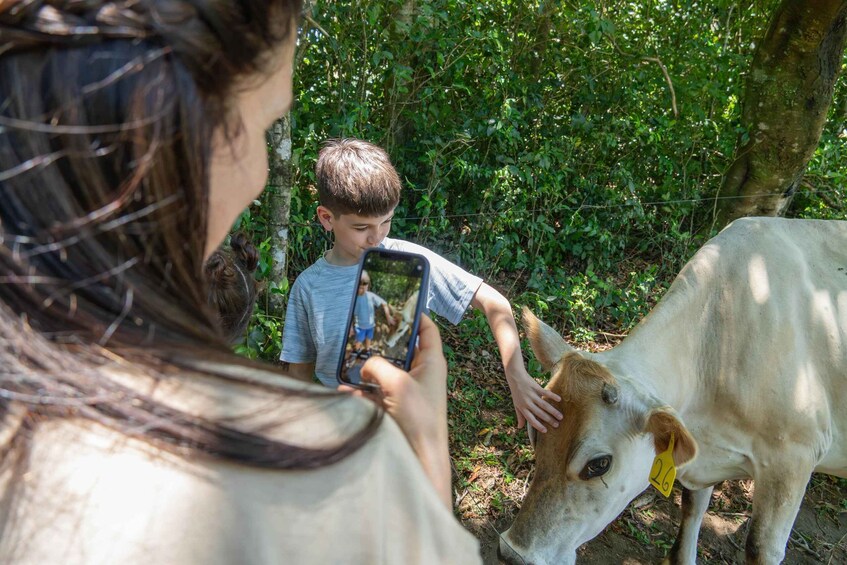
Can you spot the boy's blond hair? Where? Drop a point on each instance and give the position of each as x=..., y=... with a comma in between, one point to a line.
x=356, y=177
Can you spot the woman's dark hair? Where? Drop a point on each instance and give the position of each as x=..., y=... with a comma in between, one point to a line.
x=232, y=285
x=107, y=114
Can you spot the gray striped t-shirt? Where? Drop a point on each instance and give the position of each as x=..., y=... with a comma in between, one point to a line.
x=320, y=298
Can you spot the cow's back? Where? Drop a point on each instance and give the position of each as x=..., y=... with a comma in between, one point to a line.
x=754, y=334
x=782, y=311
x=787, y=278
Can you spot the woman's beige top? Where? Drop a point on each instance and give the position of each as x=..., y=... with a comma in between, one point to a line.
x=82, y=493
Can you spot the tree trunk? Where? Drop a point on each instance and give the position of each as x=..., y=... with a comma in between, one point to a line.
x=788, y=93
x=541, y=36
x=277, y=198
x=277, y=195
x=398, y=129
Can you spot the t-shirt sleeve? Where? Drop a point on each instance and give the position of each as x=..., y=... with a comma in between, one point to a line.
x=297, y=343
x=451, y=288
x=376, y=299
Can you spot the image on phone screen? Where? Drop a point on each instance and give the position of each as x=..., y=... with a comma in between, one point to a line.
x=385, y=311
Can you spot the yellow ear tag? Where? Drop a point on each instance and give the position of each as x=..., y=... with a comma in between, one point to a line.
x=663, y=472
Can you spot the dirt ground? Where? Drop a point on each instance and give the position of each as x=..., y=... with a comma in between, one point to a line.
x=645, y=531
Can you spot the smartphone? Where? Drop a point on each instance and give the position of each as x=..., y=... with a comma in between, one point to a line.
x=385, y=312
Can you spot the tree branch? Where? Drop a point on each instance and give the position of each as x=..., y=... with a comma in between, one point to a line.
x=656, y=60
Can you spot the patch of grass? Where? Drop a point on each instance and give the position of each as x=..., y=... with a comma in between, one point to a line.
x=647, y=527
x=830, y=496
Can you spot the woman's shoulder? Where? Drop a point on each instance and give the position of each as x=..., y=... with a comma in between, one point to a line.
x=95, y=494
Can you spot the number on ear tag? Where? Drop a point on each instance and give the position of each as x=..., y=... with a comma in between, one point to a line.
x=663, y=472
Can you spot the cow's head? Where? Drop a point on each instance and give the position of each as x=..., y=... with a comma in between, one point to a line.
x=597, y=460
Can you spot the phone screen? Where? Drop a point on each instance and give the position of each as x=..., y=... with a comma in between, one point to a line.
x=384, y=312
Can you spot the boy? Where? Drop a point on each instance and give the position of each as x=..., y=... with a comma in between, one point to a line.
x=364, y=314
x=358, y=190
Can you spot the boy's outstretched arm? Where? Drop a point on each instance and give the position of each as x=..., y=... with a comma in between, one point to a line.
x=527, y=395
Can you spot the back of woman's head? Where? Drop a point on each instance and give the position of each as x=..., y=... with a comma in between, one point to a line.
x=232, y=287
x=107, y=115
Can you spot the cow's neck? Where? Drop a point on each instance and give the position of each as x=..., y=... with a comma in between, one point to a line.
x=665, y=353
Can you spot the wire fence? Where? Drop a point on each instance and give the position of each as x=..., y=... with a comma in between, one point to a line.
x=581, y=207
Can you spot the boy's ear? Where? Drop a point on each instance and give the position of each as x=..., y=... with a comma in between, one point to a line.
x=326, y=217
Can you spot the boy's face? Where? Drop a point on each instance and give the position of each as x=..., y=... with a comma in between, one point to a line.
x=354, y=233
x=364, y=285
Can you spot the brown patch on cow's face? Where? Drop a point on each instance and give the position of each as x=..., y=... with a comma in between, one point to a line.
x=580, y=383
x=582, y=379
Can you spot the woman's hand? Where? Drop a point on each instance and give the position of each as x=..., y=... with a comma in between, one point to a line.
x=417, y=400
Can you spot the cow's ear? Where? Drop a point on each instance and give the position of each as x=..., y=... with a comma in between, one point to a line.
x=662, y=422
x=547, y=344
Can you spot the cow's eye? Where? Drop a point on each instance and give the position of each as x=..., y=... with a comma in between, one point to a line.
x=596, y=467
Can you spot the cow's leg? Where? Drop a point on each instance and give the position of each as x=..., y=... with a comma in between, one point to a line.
x=776, y=501
x=694, y=505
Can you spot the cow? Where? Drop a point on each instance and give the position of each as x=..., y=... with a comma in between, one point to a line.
x=407, y=318
x=742, y=367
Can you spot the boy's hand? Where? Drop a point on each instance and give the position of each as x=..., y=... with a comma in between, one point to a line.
x=417, y=400
x=532, y=402
x=390, y=316
x=530, y=398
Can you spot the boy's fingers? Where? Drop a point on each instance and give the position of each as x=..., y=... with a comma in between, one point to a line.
x=548, y=418
x=545, y=393
x=521, y=419
x=550, y=395
x=550, y=409
x=535, y=423
x=545, y=396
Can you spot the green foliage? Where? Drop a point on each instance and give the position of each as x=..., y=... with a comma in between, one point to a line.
x=264, y=338
x=545, y=147
x=538, y=141
x=822, y=194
